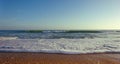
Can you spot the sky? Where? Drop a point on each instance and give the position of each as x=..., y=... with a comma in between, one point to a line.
x=59, y=14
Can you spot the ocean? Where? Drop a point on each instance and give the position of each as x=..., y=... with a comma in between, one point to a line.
x=57, y=34
x=60, y=41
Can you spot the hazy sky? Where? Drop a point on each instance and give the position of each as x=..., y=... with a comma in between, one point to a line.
x=59, y=14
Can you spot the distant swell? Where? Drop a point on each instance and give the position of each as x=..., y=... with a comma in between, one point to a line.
x=58, y=34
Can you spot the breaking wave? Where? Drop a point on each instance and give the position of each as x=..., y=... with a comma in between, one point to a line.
x=65, y=46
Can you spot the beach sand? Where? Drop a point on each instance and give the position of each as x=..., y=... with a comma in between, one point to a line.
x=44, y=58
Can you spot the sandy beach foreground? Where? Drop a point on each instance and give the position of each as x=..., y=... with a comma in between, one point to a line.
x=42, y=58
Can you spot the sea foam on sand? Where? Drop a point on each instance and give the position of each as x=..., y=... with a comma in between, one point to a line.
x=65, y=46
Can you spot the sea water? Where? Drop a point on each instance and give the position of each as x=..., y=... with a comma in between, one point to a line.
x=60, y=41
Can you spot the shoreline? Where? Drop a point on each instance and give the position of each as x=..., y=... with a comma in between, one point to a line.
x=59, y=53
x=50, y=58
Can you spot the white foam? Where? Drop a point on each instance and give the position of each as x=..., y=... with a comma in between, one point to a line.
x=8, y=38
x=65, y=46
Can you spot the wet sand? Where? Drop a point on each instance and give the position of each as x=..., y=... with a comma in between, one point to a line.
x=43, y=58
